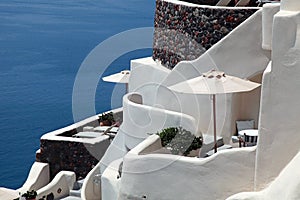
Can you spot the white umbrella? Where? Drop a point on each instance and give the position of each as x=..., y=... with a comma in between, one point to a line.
x=121, y=77
x=214, y=82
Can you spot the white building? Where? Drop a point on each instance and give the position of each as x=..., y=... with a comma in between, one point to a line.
x=265, y=44
x=265, y=49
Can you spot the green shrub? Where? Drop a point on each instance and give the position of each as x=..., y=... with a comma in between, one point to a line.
x=30, y=194
x=107, y=117
x=179, y=140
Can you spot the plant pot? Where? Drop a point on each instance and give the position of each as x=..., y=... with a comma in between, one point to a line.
x=194, y=153
x=105, y=123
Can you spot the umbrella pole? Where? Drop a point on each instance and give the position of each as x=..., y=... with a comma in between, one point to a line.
x=215, y=127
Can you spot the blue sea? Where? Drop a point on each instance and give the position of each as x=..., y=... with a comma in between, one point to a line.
x=42, y=46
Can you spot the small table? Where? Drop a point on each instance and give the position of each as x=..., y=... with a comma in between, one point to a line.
x=250, y=135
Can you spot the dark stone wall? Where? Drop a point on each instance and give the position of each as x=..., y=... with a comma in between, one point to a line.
x=65, y=155
x=184, y=33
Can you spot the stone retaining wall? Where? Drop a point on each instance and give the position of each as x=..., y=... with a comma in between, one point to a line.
x=64, y=152
x=184, y=32
x=66, y=155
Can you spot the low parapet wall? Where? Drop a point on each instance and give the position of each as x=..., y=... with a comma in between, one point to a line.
x=64, y=152
x=217, y=177
x=184, y=31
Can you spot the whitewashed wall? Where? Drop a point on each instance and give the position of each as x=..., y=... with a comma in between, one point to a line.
x=285, y=186
x=280, y=106
x=141, y=120
x=169, y=177
x=240, y=54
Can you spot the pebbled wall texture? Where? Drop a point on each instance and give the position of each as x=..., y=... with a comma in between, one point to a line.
x=66, y=155
x=185, y=32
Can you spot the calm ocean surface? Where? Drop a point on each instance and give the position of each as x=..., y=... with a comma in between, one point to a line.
x=42, y=45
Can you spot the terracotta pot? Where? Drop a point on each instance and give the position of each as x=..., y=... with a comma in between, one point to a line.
x=105, y=123
x=194, y=153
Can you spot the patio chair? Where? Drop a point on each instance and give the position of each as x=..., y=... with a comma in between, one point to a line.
x=247, y=141
x=111, y=131
x=244, y=124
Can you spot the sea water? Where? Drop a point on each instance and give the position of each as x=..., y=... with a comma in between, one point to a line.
x=42, y=46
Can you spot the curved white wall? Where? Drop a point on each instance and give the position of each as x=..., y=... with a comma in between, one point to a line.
x=169, y=177
x=140, y=120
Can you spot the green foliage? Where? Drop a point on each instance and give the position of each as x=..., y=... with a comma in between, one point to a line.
x=30, y=194
x=167, y=134
x=179, y=140
x=107, y=117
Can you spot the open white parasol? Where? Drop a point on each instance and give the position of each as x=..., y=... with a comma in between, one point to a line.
x=214, y=82
x=121, y=77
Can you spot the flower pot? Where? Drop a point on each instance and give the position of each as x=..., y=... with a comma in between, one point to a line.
x=105, y=123
x=194, y=153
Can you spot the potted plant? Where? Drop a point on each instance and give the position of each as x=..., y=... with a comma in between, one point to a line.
x=30, y=195
x=179, y=140
x=106, y=119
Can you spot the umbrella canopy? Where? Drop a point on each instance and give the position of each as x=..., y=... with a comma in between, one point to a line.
x=121, y=77
x=214, y=82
